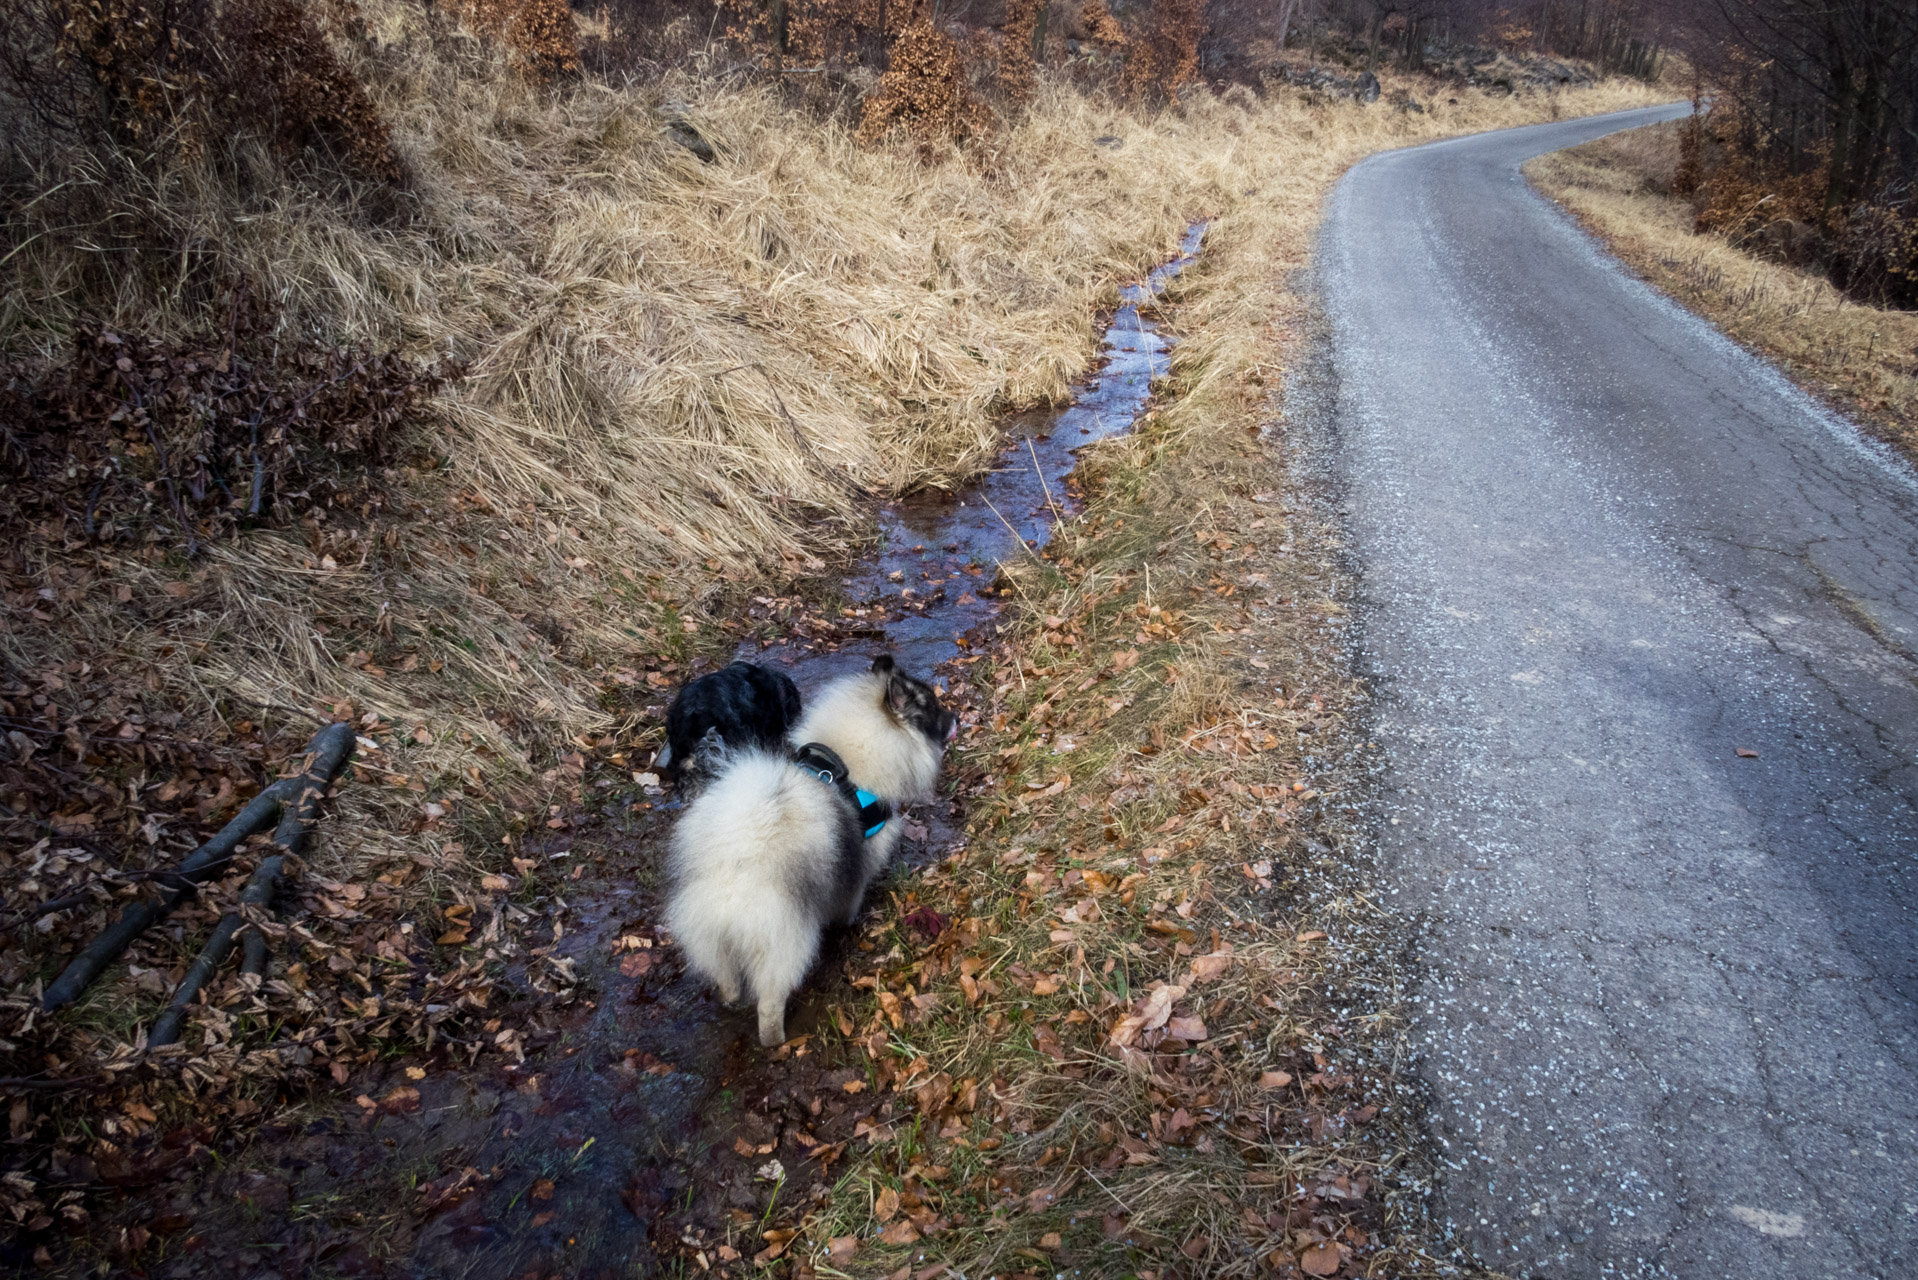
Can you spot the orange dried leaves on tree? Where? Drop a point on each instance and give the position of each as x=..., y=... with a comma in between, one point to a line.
x=1101, y=27
x=1018, y=65
x=924, y=90
x=540, y=33
x=1163, y=54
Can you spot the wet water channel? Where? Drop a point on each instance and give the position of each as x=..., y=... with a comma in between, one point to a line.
x=643, y=1105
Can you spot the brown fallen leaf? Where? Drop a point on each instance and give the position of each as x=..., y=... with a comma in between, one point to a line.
x=636, y=965
x=1050, y=1240
x=1211, y=966
x=543, y=1189
x=1158, y=1006
x=840, y=1249
x=886, y=1207
x=1746, y=753
x=1191, y=1030
x=1321, y=1259
x=900, y=1232
x=1274, y=1079
x=776, y=1242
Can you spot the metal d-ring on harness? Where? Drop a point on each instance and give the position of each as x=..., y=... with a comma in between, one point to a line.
x=824, y=763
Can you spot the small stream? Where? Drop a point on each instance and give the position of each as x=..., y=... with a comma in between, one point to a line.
x=937, y=549
x=639, y=1108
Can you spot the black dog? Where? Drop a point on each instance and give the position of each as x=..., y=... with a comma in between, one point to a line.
x=744, y=705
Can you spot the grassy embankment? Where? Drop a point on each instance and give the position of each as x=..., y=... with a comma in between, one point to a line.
x=1862, y=359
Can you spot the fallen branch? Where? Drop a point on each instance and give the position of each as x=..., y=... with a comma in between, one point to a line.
x=296, y=823
x=289, y=799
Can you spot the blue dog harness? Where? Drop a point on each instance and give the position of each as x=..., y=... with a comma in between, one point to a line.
x=824, y=763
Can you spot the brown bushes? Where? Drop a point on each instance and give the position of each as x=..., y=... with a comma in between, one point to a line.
x=924, y=90
x=1163, y=52
x=284, y=67
x=1741, y=189
x=539, y=32
x=1018, y=63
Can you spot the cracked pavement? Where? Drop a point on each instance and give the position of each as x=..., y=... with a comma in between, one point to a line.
x=1666, y=997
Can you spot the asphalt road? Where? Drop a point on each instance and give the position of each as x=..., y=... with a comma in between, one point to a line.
x=1668, y=992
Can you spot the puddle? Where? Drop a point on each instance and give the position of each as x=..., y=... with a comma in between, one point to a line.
x=646, y=1125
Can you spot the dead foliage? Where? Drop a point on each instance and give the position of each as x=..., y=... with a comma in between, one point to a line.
x=1100, y=26
x=138, y=439
x=176, y=78
x=1162, y=52
x=1020, y=41
x=540, y=33
x=1760, y=282
x=923, y=91
x=1747, y=187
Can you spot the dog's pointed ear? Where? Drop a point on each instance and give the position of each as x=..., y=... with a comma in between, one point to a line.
x=883, y=664
x=898, y=694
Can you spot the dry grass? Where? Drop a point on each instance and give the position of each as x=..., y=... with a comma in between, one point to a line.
x=680, y=373
x=1862, y=358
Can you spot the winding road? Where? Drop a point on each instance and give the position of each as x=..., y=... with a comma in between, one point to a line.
x=1643, y=624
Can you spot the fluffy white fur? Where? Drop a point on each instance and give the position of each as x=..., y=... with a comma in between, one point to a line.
x=753, y=860
x=756, y=864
